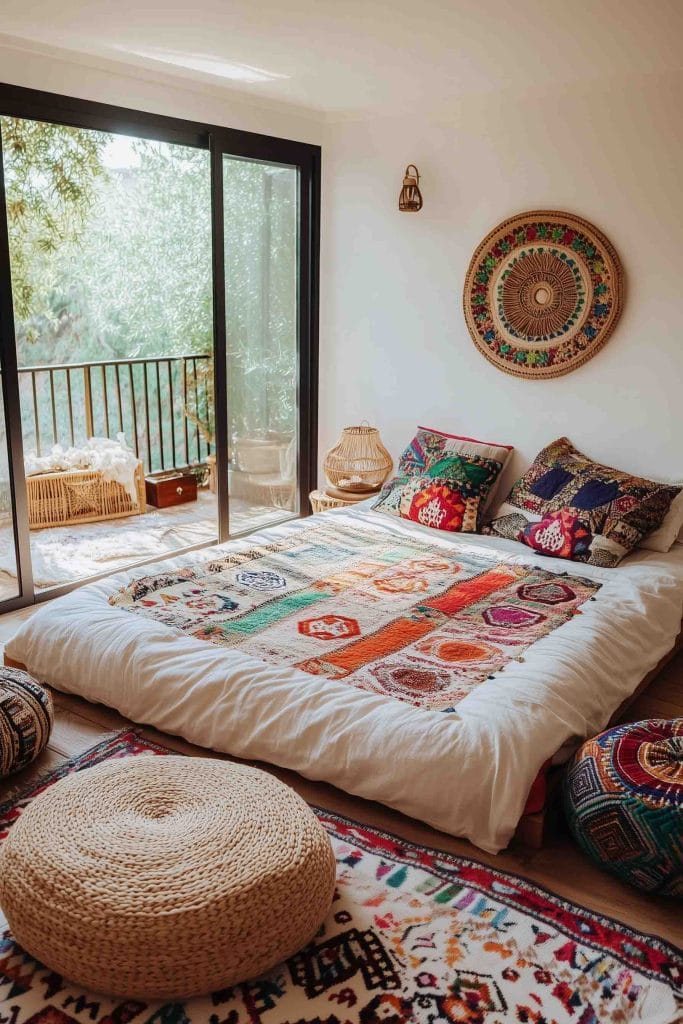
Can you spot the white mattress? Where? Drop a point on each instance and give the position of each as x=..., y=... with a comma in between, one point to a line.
x=467, y=773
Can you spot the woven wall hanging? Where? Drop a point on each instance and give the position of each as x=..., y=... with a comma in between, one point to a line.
x=543, y=293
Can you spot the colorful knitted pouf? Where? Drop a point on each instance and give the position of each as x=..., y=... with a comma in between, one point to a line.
x=25, y=719
x=623, y=799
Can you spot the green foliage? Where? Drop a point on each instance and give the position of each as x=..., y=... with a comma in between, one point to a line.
x=51, y=174
x=144, y=286
x=113, y=260
x=260, y=204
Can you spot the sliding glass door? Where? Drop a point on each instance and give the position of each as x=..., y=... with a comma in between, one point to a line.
x=111, y=265
x=261, y=245
x=10, y=587
x=266, y=203
x=159, y=299
x=16, y=581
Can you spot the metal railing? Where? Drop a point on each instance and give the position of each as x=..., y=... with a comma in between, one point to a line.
x=155, y=402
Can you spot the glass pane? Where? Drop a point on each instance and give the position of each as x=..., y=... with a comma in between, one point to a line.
x=110, y=247
x=9, y=584
x=261, y=286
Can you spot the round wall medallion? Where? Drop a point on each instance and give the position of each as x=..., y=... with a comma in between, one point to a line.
x=543, y=293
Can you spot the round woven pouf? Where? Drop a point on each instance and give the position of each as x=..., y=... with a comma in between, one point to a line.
x=165, y=877
x=26, y=716
x=624, y=803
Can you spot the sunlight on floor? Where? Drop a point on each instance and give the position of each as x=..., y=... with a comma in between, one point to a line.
x=63, y=554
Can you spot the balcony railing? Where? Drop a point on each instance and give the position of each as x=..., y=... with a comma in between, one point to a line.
x=156, y=403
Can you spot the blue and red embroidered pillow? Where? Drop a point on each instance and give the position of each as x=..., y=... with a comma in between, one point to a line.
x=444, y=481
x=568, y=506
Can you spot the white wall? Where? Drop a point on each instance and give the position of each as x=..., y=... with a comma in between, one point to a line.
x=394, y=346
x=92, y=78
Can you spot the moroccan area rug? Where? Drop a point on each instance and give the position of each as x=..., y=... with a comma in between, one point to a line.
x=414, y=935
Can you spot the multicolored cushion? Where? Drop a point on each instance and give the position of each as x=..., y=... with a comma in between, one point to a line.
x=444, y=481
x=568, y=506
x=431, y=501
x=434, y=453
x=25, y=719
x=623, y=799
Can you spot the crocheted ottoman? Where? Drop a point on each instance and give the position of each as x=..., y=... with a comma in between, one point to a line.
x=26, y=717
x=624, y=803
x=163, y=877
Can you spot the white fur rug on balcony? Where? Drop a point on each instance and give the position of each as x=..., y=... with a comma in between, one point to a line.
x=113, y=459
x=62, y=554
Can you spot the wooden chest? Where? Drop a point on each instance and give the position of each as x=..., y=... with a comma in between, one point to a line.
x=171, y=489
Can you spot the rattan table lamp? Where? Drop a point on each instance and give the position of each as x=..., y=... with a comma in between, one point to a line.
x=358, y=464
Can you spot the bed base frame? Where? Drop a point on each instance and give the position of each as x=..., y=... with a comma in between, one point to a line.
x=11, y=663
x=534, y=829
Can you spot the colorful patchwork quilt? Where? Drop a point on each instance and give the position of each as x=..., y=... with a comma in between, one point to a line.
x=395, y=615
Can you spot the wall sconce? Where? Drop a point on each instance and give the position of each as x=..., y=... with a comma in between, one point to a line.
x=410, y=199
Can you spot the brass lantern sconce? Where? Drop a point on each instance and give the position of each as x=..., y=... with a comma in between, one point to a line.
x=410, y=199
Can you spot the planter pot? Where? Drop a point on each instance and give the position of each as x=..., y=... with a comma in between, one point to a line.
x=261, y=455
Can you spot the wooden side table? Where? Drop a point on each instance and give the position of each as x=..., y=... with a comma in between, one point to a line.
x=321, y=501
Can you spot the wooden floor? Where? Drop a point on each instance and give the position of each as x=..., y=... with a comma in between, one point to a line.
x=560, y=866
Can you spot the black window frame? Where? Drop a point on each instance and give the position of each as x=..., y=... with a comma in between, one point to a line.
x=17, y=101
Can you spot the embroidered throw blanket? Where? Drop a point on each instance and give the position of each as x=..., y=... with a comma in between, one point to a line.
x=394, y=615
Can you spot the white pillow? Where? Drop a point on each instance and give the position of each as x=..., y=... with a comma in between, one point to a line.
x=667, y=534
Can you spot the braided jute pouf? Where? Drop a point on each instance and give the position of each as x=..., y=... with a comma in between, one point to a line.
x=165, y=877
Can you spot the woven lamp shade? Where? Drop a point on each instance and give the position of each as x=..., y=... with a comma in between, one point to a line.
x=359, y=463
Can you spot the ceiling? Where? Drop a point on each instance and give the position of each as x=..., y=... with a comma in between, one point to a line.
x=364, y=57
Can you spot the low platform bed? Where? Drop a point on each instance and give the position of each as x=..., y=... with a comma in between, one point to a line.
x=436, y=673
x=535, y=826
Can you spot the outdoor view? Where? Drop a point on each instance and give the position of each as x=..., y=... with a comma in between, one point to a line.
x=110, y=248
x=261, y=244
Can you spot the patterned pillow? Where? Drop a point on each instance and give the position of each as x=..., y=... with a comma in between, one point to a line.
x=568, y=506
x=431, y=501
x=444, y=481
x=433, y=453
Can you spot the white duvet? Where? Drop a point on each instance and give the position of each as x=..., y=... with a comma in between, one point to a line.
x=467, y=773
